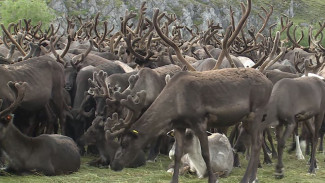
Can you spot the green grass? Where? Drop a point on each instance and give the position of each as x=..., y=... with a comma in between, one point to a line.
x=295, y=171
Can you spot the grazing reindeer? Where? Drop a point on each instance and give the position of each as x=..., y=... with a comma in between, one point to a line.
x=195, y=100
x=48, y=154
x=95, y=135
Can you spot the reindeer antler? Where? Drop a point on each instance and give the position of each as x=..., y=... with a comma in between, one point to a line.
x=79, y=58
x=229, y=40
x=168, y=41
x=134, y=105
x=13, y=40
x=18, y=89
x=112, y=124
x=272, y=58
x=122, y=95
x=98, y=86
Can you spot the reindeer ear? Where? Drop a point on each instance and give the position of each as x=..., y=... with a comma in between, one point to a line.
x=208, y=133
x=170, y=133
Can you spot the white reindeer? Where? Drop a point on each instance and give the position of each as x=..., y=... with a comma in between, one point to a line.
x=221, y=154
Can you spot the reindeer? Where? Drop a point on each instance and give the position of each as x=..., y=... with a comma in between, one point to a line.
x=46, y=83
x=203, y=102
x=310, y=104
x=220, y=151
x=95, y=135
x=48, y=154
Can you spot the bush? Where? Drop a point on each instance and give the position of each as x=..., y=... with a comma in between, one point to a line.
x=36, y=10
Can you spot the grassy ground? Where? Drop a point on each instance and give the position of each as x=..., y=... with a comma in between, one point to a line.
x=295, y=171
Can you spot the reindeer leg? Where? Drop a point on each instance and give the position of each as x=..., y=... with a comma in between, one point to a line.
x=257, y=140
x=232, y=138
x=267, y=159
x=281, y=144
x=318, y=123
x=294, y=143
x=200, y=131
x=299, y=154
x=321, y=136
x=269, y=138
x=179, y=137
x=256, y=136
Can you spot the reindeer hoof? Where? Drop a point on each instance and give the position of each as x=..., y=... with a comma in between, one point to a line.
x=268, y=162
x=311, y=174
x=274, y=155
x=300, y=157
x=312, y=171
x=279, y=175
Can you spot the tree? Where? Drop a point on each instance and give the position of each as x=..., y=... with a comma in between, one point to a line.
x=36, y=10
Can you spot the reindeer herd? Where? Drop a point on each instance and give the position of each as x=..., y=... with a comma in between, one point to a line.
x=120, y=92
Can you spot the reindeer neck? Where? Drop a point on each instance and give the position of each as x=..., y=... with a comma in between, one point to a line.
x=15, y=144
x=153, y=123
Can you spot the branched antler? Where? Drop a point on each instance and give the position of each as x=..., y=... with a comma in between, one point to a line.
x=272, y=58
x=294, y=40
x=170, y=42
x=134, y=105
x=143, y=59
x=13, y=40
x=79, y=58
x=98, y=86
x=114, y=126
x=122, y=95
x=18, y=89
x=229, y=40
x=266, y=19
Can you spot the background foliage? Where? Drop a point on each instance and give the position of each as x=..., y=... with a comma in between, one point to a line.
x=36, y=10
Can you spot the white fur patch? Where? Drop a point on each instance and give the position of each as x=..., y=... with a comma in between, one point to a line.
x=299, y=154
x=171, y=170
x=313, y=75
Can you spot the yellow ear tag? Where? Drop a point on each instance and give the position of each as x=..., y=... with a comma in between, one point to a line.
x=134, y=131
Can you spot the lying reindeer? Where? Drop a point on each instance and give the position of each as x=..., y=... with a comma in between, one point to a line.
x=47, y=154
x=221, y=155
